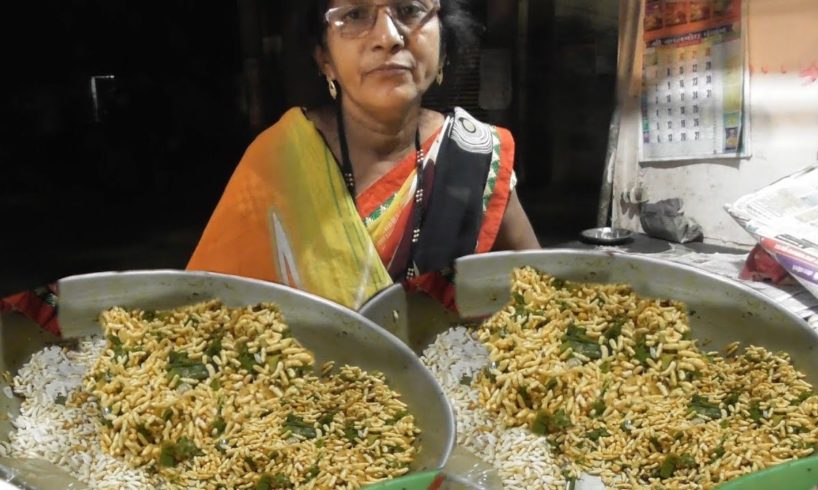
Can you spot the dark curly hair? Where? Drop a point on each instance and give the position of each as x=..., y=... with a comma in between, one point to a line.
x=460, y=32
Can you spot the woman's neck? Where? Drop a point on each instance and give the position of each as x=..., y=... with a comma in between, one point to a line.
x=380, y=136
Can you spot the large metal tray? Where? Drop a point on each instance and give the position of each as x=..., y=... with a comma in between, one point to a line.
x=721, y=310
x=331, y=331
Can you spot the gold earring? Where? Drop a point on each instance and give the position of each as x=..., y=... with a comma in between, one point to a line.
x=333, y=89
x=440, y=76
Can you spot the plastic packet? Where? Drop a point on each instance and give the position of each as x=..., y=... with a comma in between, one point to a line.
x=666, y=220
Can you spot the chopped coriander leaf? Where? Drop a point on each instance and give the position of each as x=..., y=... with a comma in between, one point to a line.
x=577, y=333
x=755, y=411
x=641, y=350
x=672, y=463
x=598, y=407
x=246, y=359
x=587, y=349
x=615, y=330
x=523, y=393
x=312, y=472
x=251, y=464
x=545, y=423
x=731, y=399
x=273, y=360
x=218, y=425
x=718, y=452
x=686, y=461
x=596, y=434
x=173, y=454
x=802, y=397
x=271, y=482
x=326, y=419
x=350, y=433
x=116, y=346
x=179, y=364
x=144, y=432
x=214, y=348
x=166, y=456
x=488, y=374
x=668, y=466
x=665, y=360
x=398, y=416
x=578, y=340
x=297, y=426
x=704, y=407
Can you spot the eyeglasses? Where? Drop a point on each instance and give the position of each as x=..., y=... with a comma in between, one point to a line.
x=353, y=21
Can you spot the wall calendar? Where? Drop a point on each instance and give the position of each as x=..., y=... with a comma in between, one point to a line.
x=693, y=80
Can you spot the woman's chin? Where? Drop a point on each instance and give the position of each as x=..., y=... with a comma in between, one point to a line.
x=394, y=98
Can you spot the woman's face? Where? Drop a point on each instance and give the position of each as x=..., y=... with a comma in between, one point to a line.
x=386, y=68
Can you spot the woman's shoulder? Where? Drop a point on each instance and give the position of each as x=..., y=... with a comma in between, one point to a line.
x=292, y=131
x=459, y=114
x=474, y=134
x=293, y=123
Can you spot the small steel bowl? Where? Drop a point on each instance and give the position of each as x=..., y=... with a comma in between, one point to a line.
x=606, y=235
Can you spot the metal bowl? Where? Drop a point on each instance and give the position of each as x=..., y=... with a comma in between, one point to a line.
x=606, y=235
x=721, y=310
x=331, y=331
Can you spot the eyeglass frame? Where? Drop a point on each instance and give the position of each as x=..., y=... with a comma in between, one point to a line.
x=432, y=12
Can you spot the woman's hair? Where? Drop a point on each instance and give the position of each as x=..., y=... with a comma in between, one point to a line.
x=460, y=32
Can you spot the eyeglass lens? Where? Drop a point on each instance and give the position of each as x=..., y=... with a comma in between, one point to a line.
x=355, y=20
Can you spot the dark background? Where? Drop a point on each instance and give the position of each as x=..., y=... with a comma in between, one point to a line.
x=129, y=181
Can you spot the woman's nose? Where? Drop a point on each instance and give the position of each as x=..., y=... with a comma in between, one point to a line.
x=386, y=32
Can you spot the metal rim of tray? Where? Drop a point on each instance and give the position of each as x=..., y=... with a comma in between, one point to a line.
x=412, y=372
x=725, y=281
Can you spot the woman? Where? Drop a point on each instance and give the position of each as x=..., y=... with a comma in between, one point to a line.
x=346, y=199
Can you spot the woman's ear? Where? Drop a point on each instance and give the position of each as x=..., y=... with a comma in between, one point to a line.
x=323, y=61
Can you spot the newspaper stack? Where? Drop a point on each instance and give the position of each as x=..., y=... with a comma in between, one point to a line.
x=783, y=218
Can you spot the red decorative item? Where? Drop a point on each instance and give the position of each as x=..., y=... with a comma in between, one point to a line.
x=39, y=305
x=761, y=266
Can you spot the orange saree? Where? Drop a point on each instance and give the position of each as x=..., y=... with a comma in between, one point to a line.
x=287, y=217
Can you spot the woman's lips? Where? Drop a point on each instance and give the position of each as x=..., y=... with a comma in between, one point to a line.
x=390, y=69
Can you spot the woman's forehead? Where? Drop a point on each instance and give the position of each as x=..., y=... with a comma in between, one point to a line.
x=340, y=3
